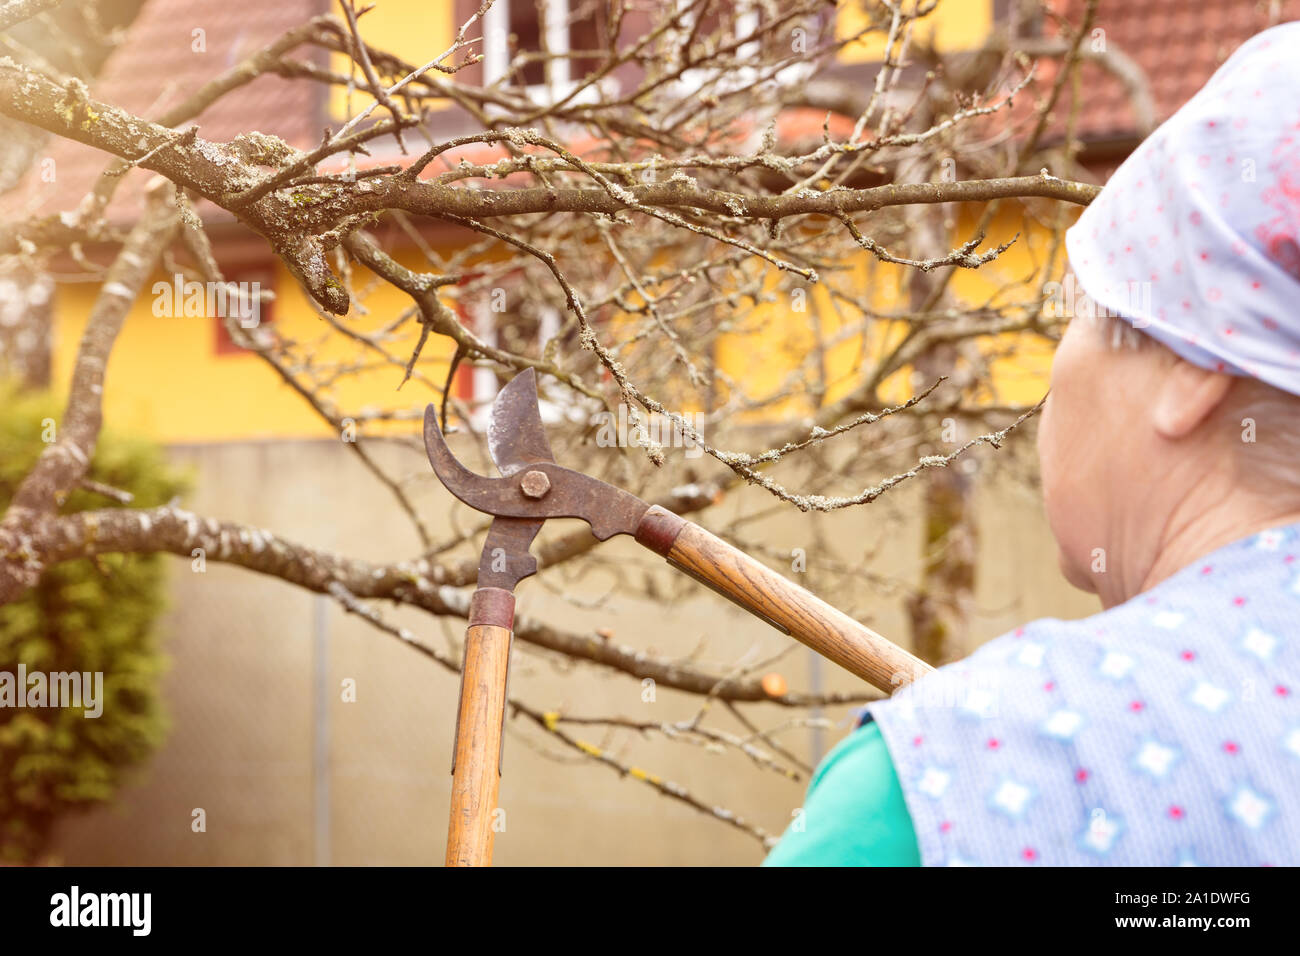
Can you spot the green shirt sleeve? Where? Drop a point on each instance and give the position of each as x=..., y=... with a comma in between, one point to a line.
x=854, y=814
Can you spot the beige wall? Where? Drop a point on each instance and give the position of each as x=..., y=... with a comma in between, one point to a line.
x=240, y=690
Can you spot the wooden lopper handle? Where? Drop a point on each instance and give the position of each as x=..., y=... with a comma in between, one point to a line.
x=480, y=720
x=782, y=603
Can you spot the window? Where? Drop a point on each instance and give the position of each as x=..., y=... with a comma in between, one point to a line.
x=240, y=300
x=523, y=330
x=741, y=19
x=545, y=27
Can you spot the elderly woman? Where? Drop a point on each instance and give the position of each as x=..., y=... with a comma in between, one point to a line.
x=1166, y=729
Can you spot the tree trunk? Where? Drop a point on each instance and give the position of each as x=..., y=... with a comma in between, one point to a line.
x=939, y=611
x=26, y=300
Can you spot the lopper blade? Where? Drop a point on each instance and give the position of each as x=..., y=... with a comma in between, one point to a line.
x=515, y=436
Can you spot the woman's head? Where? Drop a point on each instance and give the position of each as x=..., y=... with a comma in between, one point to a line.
x=1176, y=416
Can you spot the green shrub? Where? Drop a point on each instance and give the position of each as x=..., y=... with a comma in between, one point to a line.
x=83, y=616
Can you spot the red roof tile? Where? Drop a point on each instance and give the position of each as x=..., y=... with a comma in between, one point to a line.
x=157, y=66
x=1178, y=44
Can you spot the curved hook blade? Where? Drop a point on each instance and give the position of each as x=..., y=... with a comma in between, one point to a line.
x=458, y=479
x=515, y=436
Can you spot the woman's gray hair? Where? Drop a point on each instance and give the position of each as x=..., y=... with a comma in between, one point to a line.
x=1118, y=332
x=1262, y=422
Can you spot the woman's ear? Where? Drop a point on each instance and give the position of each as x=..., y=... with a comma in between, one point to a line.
x=1186, y=398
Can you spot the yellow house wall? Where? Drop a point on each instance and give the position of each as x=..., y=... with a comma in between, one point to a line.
x=166, y=380
x=414, y=30
x=775, y=337
x=953, y=25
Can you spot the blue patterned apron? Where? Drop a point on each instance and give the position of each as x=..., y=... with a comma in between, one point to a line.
x=1164, y=731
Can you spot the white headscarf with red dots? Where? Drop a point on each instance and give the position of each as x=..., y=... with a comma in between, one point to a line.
x=1196, y=238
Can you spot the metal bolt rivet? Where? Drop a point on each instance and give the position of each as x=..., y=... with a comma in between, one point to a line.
x=535, y=484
